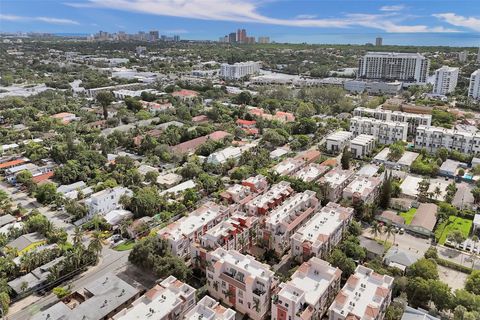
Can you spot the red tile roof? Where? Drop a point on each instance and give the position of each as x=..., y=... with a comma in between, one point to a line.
x=243, y=122
x=42, y=177
x=12, y=163
x=192, y=145
x=185, y=93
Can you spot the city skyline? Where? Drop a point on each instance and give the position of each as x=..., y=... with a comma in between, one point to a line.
x=356, y=22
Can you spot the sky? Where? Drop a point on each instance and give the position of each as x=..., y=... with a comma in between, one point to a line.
x=416, y=22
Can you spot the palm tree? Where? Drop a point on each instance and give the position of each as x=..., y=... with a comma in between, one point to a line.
x=95, y=244
x=376, y=229
x=77, y=236
x=437, y=192
x=389, y=231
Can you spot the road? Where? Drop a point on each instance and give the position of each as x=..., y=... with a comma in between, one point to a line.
x=110, y=261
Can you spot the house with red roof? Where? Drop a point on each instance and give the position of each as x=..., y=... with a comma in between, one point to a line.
x=65, y=117
x=185, y=94
x=191, y=145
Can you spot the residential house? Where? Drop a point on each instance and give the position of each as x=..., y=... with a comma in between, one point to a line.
x=210, y=309
x=364, y=189
x=270, y=199
x=335, y=181
x=106, y=200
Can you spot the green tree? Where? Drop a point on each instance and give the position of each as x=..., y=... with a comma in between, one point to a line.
x=473, y=282
x=151, y=176
x=104, y=98
x=424, y=268
x=46, y=193
x=346, y=157
x=61, y=292
x=386, y=192
x=305, y=110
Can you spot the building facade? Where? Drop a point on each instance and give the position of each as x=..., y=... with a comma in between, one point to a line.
x=321, y=233
x=364, y=189
x=106, y=200
x=335, y=181
x=239, y=70
x=337, y=141
x=309, y=293
x=270, y=199
x=434, y=138
x=445, y=80
x=406, y=67
x=362, y=146
x=474, y=87
x=366, y=295
x=240, y=281
x=386, y=132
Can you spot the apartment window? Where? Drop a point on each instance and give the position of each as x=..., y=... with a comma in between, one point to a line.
x=224, y=284
x=240, y=301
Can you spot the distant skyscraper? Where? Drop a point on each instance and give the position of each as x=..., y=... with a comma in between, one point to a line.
x=263, y=40
x=176, y=38
x=232, y=37
x=379, y=41
x=243, y=37
x=478, y=56
x=462, y=56
x=154, y=36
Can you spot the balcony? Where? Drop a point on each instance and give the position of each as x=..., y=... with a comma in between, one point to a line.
x=258, y=292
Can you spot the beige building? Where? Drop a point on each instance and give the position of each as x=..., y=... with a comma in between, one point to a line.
x=335, y=181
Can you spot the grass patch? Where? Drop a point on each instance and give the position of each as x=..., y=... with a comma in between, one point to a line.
x=127, y=245
x=453, y=223
x=408, y=216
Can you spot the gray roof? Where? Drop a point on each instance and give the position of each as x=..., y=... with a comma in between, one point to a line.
x=34, y=278
x=401, y=257
x=372, y=246
x=108, y=293
x=25, y=240
x=6, y=219
x=414, y=314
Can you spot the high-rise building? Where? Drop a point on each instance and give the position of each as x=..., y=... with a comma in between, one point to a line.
x=462, y=56
x=176, y=38
x=154, y=35
x=232, y=37
x=445, y=80
x=379, y=41
x=407, y=67
x=263, y=40
x=478, y=56
x=474, y=87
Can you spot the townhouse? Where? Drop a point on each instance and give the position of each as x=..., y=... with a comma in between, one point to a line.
x=337, y=141
x=240, y=282
x=281, y=223
x=210, y=309
x=270, y=199
x=170, y=299
x=386, y=132
x=412, y=119
x=309, y=293
x=434, y=138
x=288, y=166
x=366, y=295
x=311, y=172
x=321, y=233
x=364, y=189
x=182, y=233
x=362, y=146
x=335, y=181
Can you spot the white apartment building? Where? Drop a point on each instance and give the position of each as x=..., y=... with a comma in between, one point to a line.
x=362, y=145
x=238, y=232
x=474, y=87
x=310, y=292
x=171, y=299
x=240, y=281
x=285, y=220
x=182, y=233
x=210, y=309
x=288, y=166
x=413, y=119
x=434, y=138
x=365, y=296
x=230, y=153
x=388, y=66
x=445, y=80
x=238, y=194
x=321, y=233
x=335, y=181
x=337, y=141
x=270, y=199
x=386, y=132
x=239, y=70
x=106, y=200
x=363, y=188
x=311, y=172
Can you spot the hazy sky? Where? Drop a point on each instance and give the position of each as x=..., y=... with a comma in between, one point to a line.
x=345, y=21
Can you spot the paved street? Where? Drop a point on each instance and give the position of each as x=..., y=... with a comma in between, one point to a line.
x=110, y=261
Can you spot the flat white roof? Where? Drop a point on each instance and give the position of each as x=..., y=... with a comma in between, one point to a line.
x=246, y=263
x=337, y=176
x=340, y=136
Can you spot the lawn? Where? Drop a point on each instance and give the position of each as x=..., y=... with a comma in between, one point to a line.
x=453, y=223
x=408, y=216
x=127, y=245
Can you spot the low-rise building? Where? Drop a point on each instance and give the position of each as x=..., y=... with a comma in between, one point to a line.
x=210, y=309
x=434, y=138
x=65, y=117
x=284, y=221
x=26, y=242
x=258, y=183
x=238, y=194
x=321, y=233
x=309, y=293
x=170, y=299
x=230, y=153
x=182, y=233
x=337, y=141
x=270, y=199
x=373, y=87
x=311, y=172
x=386, y=132
x=364, y=189
x=106, y=200
x=366, y=295
x=362, y=146
x=169, y=180
x=99, y=299
x=240, y=281
x=335, y=181
x=288, y=166
x=239, y=70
